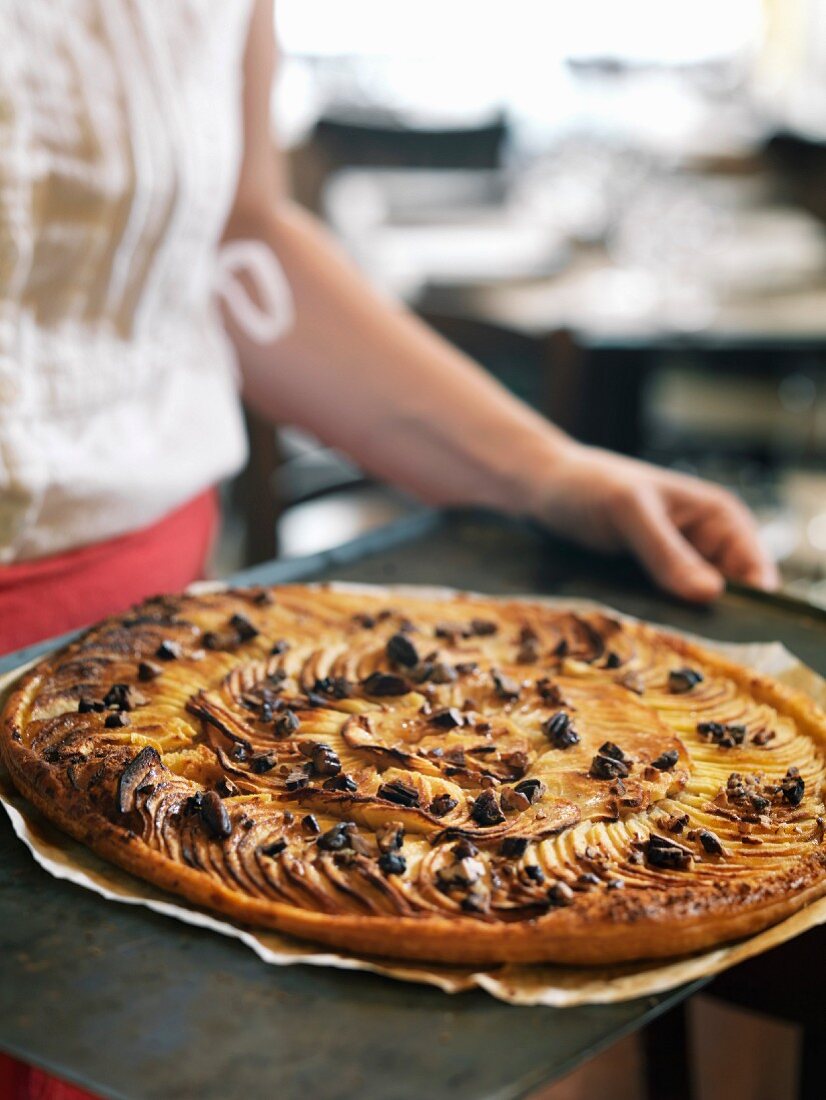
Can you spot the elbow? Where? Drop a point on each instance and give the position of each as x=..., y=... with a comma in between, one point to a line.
x=258, y=217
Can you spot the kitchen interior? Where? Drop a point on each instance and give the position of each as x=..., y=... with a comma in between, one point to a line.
x=619, y=210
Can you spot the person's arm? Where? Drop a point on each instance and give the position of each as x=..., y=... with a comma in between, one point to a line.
x=366, y=376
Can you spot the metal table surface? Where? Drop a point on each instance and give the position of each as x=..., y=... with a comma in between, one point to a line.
x=131, y=1004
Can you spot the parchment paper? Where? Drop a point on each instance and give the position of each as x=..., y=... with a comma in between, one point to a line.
x=525, y=985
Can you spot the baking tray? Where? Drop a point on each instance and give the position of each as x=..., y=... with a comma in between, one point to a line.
x=129, y=1004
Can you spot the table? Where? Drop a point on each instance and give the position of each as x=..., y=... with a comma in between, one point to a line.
x=131, y=1004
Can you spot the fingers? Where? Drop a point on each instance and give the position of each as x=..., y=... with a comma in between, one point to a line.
x=725, y=533
x=648, y=529
x=742, y=558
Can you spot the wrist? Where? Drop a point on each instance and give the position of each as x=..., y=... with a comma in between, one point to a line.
x=533, y=467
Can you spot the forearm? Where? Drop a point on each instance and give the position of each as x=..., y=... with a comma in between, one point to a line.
x=367, y=377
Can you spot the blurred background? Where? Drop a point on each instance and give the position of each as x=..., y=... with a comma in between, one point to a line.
x=619, y=209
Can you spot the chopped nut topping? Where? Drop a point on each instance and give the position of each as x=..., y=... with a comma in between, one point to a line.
x=337, y=687
x=442, y=804
x=560, y=894
x=727, y=736
x=677, y=823
x=287, y=723
x=485, y=810
x=462, y=873
x=549, y=692
x=513, y=801
x=116, y=719
x=682, y=680
x=124, y=697
x=483, y=628
x=504, y=686
x=667, y=854
x=610, y=762
x=168, y=651
x=447, y=719
x=263, y=762
x=340, y=837
x=390, y=836
x=532, y=789
x=632, y=681
x=513, y=847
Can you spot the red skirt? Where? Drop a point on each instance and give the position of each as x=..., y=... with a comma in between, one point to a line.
x=50, y=596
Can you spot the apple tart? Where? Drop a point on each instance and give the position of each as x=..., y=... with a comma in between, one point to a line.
x=462, y=780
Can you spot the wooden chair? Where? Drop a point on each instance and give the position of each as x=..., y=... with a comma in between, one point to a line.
x=786, y=983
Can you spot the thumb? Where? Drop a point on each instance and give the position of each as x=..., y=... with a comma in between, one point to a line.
x=672, y=561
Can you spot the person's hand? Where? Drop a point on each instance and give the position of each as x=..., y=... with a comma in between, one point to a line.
x=689, y=534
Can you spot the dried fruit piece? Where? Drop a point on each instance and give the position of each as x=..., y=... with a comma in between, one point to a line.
x=385, y=683
x=401, y=651
x=666, y=760
x=392, y=863
x=344, y=783
x=793, y=787
x=273, y=848
x=245, y=630
x=711, y=842
x=560, y=732
x=214, y=815
x=485, y=810
x=325, y=760
x=400, y=793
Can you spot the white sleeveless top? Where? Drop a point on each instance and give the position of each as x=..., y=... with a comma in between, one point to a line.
x=120, y=140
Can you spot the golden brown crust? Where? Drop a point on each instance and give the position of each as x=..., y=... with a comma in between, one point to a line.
x=331, y=764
